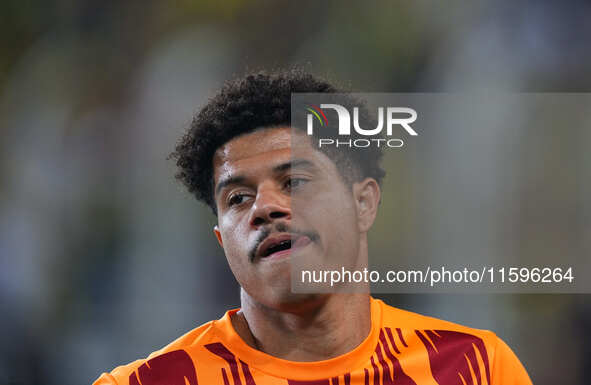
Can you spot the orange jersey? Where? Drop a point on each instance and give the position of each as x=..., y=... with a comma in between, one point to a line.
x=403, y=348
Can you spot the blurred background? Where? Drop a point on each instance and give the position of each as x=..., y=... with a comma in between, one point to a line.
x=104, y=257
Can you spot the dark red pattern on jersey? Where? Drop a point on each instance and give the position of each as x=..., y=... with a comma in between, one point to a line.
x=171, y=368
x=247, y=375
x=391, y=338
x=376, y=372
x=221, y=351
x=446, y=356
x=225, y=377
x=399, y=336
x=398, y=376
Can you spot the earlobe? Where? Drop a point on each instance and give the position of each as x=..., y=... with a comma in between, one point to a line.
x=218, y=235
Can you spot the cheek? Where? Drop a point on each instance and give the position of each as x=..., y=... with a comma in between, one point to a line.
x=341, y=226
x=235, y=243
x=237, y=258
x=332, y=215
x=346, y=228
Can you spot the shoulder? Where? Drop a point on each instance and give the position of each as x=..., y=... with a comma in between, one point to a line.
x=175, y=354
x=436, y=333
x=404, y=319
x=444, y=341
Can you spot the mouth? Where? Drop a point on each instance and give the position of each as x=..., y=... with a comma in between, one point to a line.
x=275, y=247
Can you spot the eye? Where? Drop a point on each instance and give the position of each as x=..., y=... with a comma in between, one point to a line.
x=236, y=199
x=294, y=183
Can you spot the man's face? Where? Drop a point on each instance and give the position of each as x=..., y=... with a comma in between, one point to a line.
x=273, y=207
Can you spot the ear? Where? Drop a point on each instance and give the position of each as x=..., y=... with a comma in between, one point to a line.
x=218, y=235
x=367, y=198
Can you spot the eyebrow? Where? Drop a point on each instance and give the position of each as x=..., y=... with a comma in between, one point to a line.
x=238, y=179
x=293, y=164
x=229, y=181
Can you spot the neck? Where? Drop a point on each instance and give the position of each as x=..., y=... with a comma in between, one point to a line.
x=326, y=327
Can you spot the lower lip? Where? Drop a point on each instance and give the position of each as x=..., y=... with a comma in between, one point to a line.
x=300, y=243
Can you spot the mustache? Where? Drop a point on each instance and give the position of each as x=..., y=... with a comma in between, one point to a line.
x=279, y=228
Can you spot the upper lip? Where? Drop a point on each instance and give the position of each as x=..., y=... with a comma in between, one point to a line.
x=273, y=240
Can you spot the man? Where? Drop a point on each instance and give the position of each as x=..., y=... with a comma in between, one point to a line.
x=239, y=158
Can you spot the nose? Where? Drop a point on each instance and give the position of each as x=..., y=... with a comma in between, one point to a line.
x=270, y=204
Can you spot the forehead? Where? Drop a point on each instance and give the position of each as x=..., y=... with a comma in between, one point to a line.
x=258, y=150
x=254, y=144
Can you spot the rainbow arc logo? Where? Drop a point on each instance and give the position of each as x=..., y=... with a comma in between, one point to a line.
x=317, y=111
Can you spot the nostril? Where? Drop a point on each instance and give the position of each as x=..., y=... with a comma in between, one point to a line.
x=258, y=221
x=267, y=216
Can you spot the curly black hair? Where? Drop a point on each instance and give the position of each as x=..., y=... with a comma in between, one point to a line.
x=258, y=100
